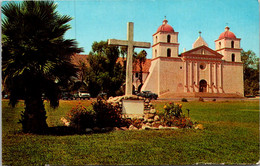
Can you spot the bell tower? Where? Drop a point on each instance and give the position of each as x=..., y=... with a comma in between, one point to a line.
x=229, y=46
x=165, y=41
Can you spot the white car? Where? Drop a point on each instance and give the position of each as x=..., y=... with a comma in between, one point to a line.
x=84, y=95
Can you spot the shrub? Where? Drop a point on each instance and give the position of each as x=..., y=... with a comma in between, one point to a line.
x=171, y=111
x=214, y=100
x=80, y=117
x=181, y=122
x=107, y=115
x=173, y=116
x=184, y=100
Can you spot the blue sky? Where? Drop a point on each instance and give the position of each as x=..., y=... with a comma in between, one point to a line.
x=96, y=20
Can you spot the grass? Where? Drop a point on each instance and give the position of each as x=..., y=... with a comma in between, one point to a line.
x=231, y=136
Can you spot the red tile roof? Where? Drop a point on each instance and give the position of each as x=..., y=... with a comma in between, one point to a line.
x=77, y=58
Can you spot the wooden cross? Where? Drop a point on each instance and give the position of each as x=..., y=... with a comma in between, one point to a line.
x=131, y=44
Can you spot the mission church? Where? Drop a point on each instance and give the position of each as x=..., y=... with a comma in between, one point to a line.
x=199, y=72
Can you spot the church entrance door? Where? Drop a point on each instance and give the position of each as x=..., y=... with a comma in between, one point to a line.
x=203, y=86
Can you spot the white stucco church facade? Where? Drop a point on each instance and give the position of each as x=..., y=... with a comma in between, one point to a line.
x=199, y=72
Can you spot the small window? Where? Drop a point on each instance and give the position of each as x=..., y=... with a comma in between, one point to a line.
x=136, y=75
x=168, y=38
x=202, y=66
x=233, y=57
x=156, y=39
x=219, y=44
x=180, y=67
x=232, y=44
x=155, y=52
x=168, y=52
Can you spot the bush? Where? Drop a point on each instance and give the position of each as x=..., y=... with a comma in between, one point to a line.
x=173, y=116
x=214, y=100
x=80, y=117
x=102, y=115
x=184, y=100
x=107, y=115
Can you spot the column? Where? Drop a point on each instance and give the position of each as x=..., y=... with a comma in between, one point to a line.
x=159, y=69
x=196, y=80
x=185, y=76
x=215, y=77
x=210, y=78
x=221, y=77
x=191, y=77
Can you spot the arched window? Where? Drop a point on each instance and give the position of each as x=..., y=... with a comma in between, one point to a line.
x=156, y=38
x=233, y=57
x=219, y=44
x=232, y=44
x=168, y=52
x=155, y=53
x=168, y=38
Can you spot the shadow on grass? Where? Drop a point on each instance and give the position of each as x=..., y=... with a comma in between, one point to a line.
x=64, y=130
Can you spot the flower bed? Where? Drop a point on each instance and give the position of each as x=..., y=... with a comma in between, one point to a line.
x=106, y=116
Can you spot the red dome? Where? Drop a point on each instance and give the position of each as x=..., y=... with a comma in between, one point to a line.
x=227, y=34
x=165, y=27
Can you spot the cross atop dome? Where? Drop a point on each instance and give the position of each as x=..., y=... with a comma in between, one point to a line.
x=227, y=34
x=165, y=27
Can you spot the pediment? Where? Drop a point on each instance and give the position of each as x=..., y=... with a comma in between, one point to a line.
x=202, y=51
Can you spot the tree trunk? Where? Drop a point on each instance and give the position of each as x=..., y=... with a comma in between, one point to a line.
x=34, y=117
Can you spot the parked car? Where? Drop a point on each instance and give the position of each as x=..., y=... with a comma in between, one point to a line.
x=148, y=94
x=83, y=95
x=66, y=96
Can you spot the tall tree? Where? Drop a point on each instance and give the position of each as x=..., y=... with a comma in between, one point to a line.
x=140, y=60
x=251, y=72
x=104, y=73
x=35, y=58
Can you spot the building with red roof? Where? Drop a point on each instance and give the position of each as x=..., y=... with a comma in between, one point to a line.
x=199, y=72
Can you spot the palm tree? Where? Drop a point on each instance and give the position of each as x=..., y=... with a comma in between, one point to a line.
x=35, y=58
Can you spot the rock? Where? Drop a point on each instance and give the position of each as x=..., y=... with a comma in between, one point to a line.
x=160, y=127
x=96, y=129
x=65, y=121
x=150, y=120
x=174, y=128
x=143, y=127
x=199, y=126
x=156, y=124
x=152, y=111
x=150, y=116
x=156, y=118
x=116, y=128
x=132, y=127
x=89, y=130
x=149, y=124
x=154, y=128
x=123, y=128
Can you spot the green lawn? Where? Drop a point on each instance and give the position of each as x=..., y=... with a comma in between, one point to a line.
x=231, y=136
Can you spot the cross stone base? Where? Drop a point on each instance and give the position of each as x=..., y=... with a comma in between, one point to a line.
x=133, y=107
